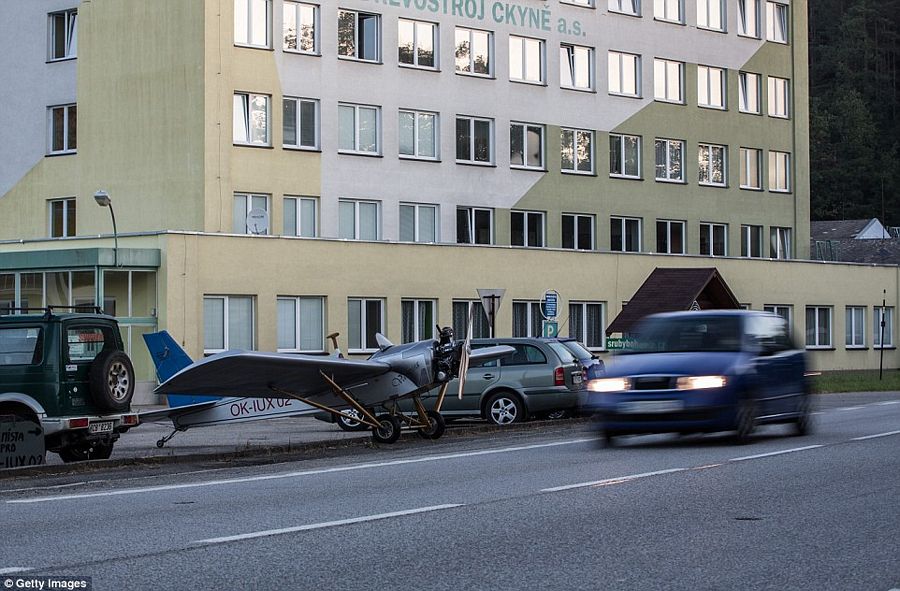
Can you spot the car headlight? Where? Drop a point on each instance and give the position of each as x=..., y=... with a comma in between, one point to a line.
x=700, y=382
x=609, y=385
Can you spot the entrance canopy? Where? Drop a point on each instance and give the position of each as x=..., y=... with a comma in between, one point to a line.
x=672, y=290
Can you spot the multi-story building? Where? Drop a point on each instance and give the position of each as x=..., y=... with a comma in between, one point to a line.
x=281, y=169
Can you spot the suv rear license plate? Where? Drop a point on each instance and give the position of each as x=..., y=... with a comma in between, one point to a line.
x=650, y=406
x=104, y=427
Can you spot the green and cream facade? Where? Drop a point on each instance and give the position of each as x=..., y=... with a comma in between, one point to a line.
x=377, y=135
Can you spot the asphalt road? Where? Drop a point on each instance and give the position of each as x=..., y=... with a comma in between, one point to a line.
x=525, y=510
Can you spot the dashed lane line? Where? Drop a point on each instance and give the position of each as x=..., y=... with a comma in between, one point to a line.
x=775, y=453
x=616, y=480
x=876, y=436
x=12, y=570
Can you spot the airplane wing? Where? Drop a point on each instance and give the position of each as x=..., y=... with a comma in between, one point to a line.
x=173, y=412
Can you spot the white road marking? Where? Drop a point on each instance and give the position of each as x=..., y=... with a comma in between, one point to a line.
x=287, y=530
x=419, y=460
x=13, y=570
x=850, y=408
x=889, y=433
x=73, y=484
x=885, y=403
x=616, y=480
x=775, y=453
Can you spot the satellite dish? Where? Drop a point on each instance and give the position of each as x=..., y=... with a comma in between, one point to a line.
x=258, y=221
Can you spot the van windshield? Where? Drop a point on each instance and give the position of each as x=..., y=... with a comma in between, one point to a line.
x=685, y=334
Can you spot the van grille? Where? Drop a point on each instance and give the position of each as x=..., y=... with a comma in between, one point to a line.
x=654, y=383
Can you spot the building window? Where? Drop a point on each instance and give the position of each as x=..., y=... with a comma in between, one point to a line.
x=855, y=325
x=481, y=327
x=63, y=34
x=474, y=52
x=365, y=318
x=886, y=314
x=783, y=311
x=711, y=160
x=416, y=43
x=301, y=216
x=228, y=323
x=669, y=160
x=252, y=20
x=776, y=22
x=668, y=77
x=418, y=222
x=713, y=239
x=632, y=7
x=624, y=156
x=624, y=74
x=300, y=123
x=585, y=3
x=624, y=234
x=748, y=18
x=419, y=135
x=587, y=321
x=251, y=119
x=301, y=27
x=711, y=87
x=668, y=10
x=818, y=327
x=474, y=225
x=243, y=221
x=527, y=319
x=526, y=228
x=359, y=220
x=526, y=145
x=526, y=59
x=670, y=237
x=778, y=97
x=752, y=241
x=359, y=36
x=779, y=171
x=749, y=92
x=577, y=151
x=474, y=140
x=711, y=15
x=62, y=218
x=359, y=129
x=751, y=159
x=417, y=320
x=63, y=129
x=576, y=67
x=301, y=324
x=578, y=231
x=780, y=243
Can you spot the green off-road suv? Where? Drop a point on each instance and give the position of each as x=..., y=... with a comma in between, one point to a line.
x=68, y=379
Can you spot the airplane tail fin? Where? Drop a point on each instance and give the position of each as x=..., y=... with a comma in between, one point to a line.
x=169, y=358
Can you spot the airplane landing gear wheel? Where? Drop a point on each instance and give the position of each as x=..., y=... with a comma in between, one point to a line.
x=389, y=430
x=436, y=426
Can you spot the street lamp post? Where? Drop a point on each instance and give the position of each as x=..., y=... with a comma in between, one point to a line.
x=103, y=200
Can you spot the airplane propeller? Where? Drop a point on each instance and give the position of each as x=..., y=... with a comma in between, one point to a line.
x=466, y=351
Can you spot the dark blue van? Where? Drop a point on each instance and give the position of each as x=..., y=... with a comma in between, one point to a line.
x=699, y=372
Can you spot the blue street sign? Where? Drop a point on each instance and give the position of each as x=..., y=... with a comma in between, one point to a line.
x=550, y=305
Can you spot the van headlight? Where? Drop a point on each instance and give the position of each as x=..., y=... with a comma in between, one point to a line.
x=700, y=382
x=609, y=385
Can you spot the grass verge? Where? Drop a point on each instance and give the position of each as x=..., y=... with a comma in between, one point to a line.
x=856, y=381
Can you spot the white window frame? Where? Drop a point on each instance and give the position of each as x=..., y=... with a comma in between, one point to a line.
x=420, y=333
x=417, y=207
x=669, y=143
x=622, y=154
x=296, y=7
x=68, y=111
x=780, y=243
x=298, y=329
x=378, y=36
x=705, y=11
x=772, y=32
x=356, y=223
x=580, y=332
x=568, y=53
x=225, y=324
x=582, y=3
x=747, y=231
x=888, y=327
x=247, y=5
x=248, y=204
x=749, y=27
x=855, y=318
x=785, y=311
x=779, y=97
x=779, y=171
x=69, y=35
x=471, y=120
x=472, y=33
x=527, y=218
x=662, y=10
x=623, y=221
x=745, y=97
x=247, y=99
x=710, y=227
x=616, y=60
x=525, y=43
x=470, y=220
x=819, y=312
x=69, y=208
x=298, y=130
x=710, y=148
x=662, y=72
x=619, y=7
x=745, y=157
x=298, y=219
x=362, y=324
x=575, y=219
x=417, y=133
x=523, y=128
x=705, y=86
x=435, y=44
x=668, y=233
x=531, y=316
x=356, y=130
x=576, y=160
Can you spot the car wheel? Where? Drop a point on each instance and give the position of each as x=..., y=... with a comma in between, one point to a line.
x=81, y=452
x=504, y=408
x=350, y=424
x=112, y=380
x=745, y=421
x=436, y=426
x=803, y=424
x=388, y=430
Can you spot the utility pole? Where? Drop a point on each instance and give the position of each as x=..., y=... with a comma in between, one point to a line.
x=881, y=340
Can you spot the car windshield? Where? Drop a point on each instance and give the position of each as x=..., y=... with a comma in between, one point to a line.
x=684, y=334
x=578, y=350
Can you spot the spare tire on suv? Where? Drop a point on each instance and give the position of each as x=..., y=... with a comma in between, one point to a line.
x=112, y=380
